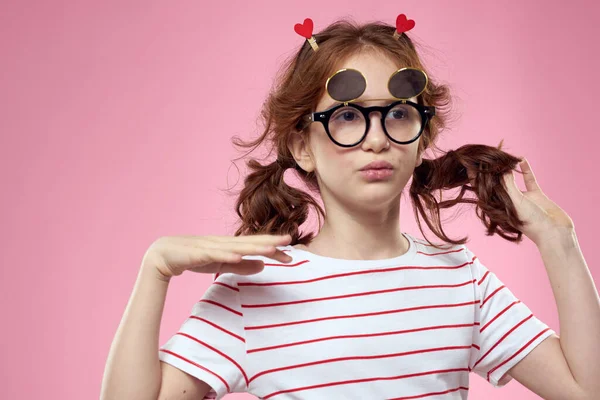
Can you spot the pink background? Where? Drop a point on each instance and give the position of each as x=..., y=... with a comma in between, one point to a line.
x=115, y=124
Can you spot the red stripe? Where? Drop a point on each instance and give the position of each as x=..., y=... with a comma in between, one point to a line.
x=197, y=365
x=332, y=360
x=483, y=278
x=520, y=350
x=227, y=286
x=277, y=265
x=216, y=351
x=374, y=271
x=499, y=314
x=431, y=394
x=218, y=327
x=492, y=294
x=286, y=265
x=430, y=245
x=222, y=306
x=291, y=344
x=365, y=380
x=437, y=254
x=359, y=315
x=355, y=295
x=501, y=339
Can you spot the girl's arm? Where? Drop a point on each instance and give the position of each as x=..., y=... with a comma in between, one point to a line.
x=133, y=370
x=567, y=367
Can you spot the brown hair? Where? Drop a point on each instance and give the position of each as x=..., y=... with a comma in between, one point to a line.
x=268, y=205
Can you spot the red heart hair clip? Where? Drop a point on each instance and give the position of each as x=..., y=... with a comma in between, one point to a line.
x=403, y=25
x=305, y=30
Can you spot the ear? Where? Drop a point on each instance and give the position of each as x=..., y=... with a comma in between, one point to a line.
x=300, y=149
x=419, y=160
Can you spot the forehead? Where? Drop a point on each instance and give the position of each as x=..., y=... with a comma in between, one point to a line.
x=373, y=64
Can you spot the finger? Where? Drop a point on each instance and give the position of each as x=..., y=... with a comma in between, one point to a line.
x=243, y=249
x=259, y=239
x=528, y=176
x=269, y=252
x=219, y=261
x=278, y=255
x=511, y=186
x=208, y=260
x=212, y=255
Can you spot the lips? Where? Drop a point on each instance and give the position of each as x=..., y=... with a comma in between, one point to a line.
x=377, y=165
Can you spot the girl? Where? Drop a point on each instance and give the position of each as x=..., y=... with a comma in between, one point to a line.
x=362, y=310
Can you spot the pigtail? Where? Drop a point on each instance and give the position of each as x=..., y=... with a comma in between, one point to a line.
x=268, y=205
x=473, y=168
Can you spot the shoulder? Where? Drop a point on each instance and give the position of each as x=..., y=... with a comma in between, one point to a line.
x=439, y=252
x=449, y=257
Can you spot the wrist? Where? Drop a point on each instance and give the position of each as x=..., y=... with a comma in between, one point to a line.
x=152, y=272
x=562, y=239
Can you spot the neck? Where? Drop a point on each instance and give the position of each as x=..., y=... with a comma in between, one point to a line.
x=361, y=236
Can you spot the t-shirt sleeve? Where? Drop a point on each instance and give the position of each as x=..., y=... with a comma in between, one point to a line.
x=507, y=330
x=210, y=345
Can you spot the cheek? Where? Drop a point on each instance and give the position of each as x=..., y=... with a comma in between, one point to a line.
x=330, y=157
x=340, y=166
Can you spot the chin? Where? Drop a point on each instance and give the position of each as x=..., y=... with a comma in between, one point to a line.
x=375, y=198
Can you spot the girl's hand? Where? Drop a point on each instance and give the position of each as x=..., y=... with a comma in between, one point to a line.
x=542, y=216
x=171, y=255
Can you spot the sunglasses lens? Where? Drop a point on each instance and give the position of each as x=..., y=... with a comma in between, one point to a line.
x=346, y=85
x=407, y=83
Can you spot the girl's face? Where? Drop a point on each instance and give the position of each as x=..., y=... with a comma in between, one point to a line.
x=338, y=168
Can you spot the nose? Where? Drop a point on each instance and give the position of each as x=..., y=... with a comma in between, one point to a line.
x=376, y=139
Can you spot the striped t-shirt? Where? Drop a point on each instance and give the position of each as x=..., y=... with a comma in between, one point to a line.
x=408, y=327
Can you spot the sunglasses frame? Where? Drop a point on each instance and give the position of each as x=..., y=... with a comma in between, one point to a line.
x=367, y=83
x=426, y=112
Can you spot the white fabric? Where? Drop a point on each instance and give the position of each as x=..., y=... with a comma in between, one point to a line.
x=412, y=326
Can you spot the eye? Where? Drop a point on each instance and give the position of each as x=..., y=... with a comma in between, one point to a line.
x=346, y=115
x=398, y=113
